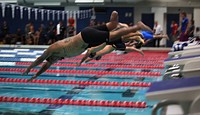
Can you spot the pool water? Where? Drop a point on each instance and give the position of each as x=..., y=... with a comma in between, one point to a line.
x=113, y=67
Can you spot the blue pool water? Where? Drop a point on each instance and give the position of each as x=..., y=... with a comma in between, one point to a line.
x=116, y=93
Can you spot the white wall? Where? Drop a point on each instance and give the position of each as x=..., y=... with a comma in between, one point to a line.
x=159, y=16
x=188, y=10
x=197, y=17
x=138, y=12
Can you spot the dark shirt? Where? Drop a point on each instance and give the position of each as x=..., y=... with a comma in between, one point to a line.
x=70, y=31
x=191, y=31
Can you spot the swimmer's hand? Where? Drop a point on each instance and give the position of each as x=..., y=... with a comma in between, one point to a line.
x=78, y=64
x=141, y=52
x=29, y=80
x=26, y=72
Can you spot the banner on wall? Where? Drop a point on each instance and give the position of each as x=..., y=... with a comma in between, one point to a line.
x=81, y=14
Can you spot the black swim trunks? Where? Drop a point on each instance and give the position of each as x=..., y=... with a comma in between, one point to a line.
x=95, y=35
x=52, y=59
x=118, y=45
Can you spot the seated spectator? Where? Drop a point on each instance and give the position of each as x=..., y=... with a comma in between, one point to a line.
x=51, y=31
x=19, y=36
x=42, y=36
x=30, y=38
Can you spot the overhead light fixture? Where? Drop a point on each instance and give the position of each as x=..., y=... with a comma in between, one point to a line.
x=47, y=4
x=89, y=1
x=8, y=1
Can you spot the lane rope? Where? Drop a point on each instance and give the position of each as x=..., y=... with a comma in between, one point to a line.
x=78, y=82
x=104, y=103
x=19, y=70
x=99, y=65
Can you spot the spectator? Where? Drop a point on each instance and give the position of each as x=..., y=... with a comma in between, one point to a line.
x=191, y=29
x=92, y=22
x=98, y=23
x=51, y=33
x=27, y=28
x=157, y=31
x=184, y=27
x=19, y=36
x=174, y=30
x=70, y=28
x=42, y=35
x=4, y=29
x=60, y=31
x=30, y=38
x=103, y=23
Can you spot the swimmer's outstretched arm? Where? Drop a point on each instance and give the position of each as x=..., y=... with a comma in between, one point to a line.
x=85, y=57
x=107, y=49
x=44, y=67
x=91, y=50
x=38, y=61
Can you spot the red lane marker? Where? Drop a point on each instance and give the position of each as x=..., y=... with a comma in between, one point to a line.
x=78, y=82
x=97, y=65
x=104, y=103
x=121, y=61
x=86, y=72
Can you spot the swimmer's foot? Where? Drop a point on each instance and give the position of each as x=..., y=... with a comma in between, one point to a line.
x=26, y=72
x=166, y=36
x=141, y=40
x=142, y=26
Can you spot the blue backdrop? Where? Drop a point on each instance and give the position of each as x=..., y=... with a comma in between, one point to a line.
x=125, y=15
x=17, y=22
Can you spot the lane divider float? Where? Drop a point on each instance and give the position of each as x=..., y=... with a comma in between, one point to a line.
x=103, y=103
x=121, y=73
x=78, y=82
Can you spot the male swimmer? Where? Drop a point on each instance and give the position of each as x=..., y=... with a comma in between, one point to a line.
x=77, y=44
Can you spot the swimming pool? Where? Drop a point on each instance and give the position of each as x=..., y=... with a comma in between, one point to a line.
x=93, y=88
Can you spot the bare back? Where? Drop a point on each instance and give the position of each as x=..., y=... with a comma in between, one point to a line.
x=68, y=47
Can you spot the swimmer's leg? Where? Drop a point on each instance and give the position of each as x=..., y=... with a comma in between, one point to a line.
x=113, y=21
x=137, y=38
x=133, y=34
x=97, y=48
x=161, y=36
x=132, y=49
x=114, y=35
x=38, y=61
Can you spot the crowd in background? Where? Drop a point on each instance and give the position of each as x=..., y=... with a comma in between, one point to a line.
x=185, y=30
x=51, y=33
x=181, y=32
x=44, y=35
